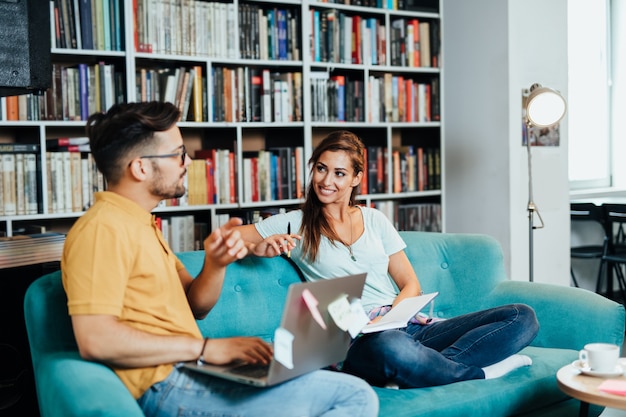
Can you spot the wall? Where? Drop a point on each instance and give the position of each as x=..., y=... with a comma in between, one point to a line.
x=492, y=50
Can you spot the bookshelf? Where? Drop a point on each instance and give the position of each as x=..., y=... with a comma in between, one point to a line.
x=258, y=90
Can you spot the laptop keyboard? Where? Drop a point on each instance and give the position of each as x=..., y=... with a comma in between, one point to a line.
x=251, y=370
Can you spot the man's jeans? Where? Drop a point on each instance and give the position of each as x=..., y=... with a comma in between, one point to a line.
x=444, y=351
x=319, y=393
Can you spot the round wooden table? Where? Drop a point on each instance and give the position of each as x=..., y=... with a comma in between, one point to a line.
x=585, y=388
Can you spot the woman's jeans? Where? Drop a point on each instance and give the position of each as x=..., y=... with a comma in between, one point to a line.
x=319, y=393
x=444, y=351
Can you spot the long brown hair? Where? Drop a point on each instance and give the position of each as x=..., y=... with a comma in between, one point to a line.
x=314, y=222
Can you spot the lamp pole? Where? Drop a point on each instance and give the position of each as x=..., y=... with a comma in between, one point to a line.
x=531, y=207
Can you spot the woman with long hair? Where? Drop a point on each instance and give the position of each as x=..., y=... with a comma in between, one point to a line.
x=334, y=237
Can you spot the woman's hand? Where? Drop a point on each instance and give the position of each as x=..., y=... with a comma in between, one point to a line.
x=275, y=245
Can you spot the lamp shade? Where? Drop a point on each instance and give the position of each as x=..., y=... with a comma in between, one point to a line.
x=544, y=106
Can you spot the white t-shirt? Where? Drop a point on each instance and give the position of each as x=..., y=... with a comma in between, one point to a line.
x=371, y=251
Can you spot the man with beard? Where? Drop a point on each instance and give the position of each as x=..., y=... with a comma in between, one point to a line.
x=133, y=304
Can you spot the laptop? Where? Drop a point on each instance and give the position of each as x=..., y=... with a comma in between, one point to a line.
x=312, y=347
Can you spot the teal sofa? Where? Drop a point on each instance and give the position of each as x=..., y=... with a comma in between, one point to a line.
x=467, y=270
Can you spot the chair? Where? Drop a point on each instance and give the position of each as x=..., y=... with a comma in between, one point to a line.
x=615, y=255
x=589, y=212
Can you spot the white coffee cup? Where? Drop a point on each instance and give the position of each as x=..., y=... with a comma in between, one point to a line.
x=600, y=357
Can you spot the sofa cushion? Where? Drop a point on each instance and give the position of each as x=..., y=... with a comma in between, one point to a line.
x=252, y=298
x=521, y=391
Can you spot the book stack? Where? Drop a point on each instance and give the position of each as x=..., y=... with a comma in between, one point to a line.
x=337, y=98
x=348, y=39
x=31, y=249
x=183, y=87
x=248, y=94
x=421, y=217
x=76, y=92
x=87, y=24
x=415, y=43
x=198, y=29
x=19, y=183
x=268, y=34
x=183, y=233
x=273, y=174
x=72, y=175
x=412, y=169
x=397, y=98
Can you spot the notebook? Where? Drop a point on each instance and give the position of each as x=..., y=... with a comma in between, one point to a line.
x=399, y=316
x=302, y=344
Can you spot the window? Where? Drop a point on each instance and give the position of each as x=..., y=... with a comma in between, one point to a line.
x=589, y=94
x=618, y=91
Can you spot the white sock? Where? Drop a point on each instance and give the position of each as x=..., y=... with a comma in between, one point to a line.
x=506, y=365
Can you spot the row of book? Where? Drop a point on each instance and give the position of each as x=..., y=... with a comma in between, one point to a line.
x=412, y=169
x=420, y=217
x=183, y=87
x=31, y=249
x=273, y=174
x=72, y=181
x=268, y=33
x=431, y=6
x=19, y=179
x=276, y=173
x=256, y=95
x=337, y=98
x=183, y=233
x=401, y=99
x=415, y=43
x=390, y=98
x=76, y=92
x=87, y=24
x=186, y=27
x=338, y=37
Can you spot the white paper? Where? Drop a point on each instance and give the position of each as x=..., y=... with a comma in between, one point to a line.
x=340, y=312
x=359, y=318
x=283, y=347
x=400, y=315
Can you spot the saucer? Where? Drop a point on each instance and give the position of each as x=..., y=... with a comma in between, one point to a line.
x=587, y=371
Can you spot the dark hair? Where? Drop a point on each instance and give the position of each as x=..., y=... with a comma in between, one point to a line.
x=124, y=129
x=314, y=222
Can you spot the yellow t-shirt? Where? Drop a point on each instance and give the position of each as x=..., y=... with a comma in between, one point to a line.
x=115, y=261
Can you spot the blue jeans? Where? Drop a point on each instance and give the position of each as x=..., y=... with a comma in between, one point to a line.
x=319, y=393
x=442, y=352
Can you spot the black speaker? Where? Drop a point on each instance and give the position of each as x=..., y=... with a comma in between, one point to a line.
x=25, y=64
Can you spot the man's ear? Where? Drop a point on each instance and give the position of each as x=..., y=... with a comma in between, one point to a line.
x=138, y=169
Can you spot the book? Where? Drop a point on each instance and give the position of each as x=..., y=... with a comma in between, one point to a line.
x=12, y=107
x=197, y=94
x=266, y=107
x=66, y=141
x=399, y=316
x=9, y=191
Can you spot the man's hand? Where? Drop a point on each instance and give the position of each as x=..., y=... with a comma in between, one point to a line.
x=247, y=349
x=225, y=245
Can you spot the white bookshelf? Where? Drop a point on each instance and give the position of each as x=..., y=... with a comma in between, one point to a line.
x=245, y=136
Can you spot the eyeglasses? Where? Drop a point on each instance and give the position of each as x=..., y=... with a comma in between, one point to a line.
x=182, y=154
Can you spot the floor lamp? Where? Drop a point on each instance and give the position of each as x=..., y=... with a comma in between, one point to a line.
x=543, y=107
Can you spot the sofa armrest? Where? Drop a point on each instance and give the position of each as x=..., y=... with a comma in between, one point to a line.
x=568, y=317
x=94, y=390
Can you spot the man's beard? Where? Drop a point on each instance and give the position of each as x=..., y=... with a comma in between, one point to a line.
x=160, y=189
